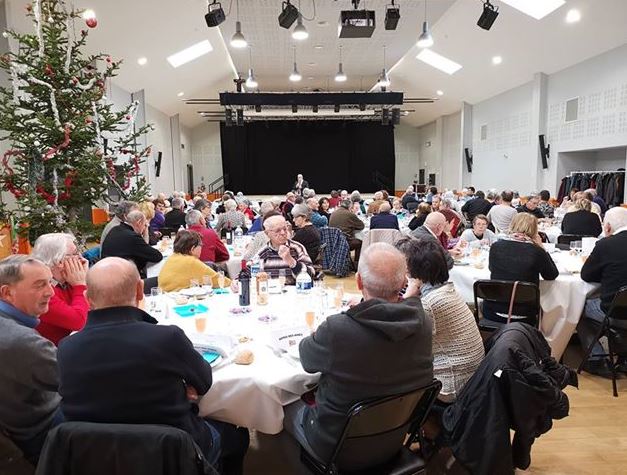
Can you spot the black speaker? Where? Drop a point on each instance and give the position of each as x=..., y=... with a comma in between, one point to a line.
x=288, y=15
x=228, y=117
x=158, y=164
x=215, y=15
x=468, y=159
x=488, y=17
x=545, y=151
x=240, y=117
x=396, y=116
x=385, y=116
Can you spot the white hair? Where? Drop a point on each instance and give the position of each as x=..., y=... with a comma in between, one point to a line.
x=616, y=217
x=192, y=217
x=135, y=217
x=52, y=248
x=177, y=203
x=266, y=207
x=382, y=269
x=230, y=205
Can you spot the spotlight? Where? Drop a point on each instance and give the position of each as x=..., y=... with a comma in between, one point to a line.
x=396, y=116
x=240, y=117
x=315, y=109
x=385, y=116
x=336, y=109
x=215, y=15
x=488, y=17
x=362, y=107
x=288, y=15
x=257, y=108
x=392, y=15
x=228, y=117
x=294, y=108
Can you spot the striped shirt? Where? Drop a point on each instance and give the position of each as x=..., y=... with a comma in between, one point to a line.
x=273, y=263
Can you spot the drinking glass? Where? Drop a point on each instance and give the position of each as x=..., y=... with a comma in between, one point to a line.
x=155, y=308
x=339, y=295
x=194, y=283
x=206, y=282
x=310, y=318
x=221, y=278
x=282, y=277
x=201, y=324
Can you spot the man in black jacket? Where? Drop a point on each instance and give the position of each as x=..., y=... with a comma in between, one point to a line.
x=384, y=219
x=477, y=205
x=125, y=240
x=606, y=265
x=123, y=369
x=175, y=218
x=377, y=348
x=531, y=207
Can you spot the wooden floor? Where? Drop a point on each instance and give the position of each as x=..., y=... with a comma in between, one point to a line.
x=591, y=440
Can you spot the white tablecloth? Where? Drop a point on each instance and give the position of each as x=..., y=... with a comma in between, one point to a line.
x=562, y=300
x=252, y=396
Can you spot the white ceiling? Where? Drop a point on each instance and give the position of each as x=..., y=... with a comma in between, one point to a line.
x=157, y=28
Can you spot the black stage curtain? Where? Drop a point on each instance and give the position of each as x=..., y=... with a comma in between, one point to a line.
x=263, y=158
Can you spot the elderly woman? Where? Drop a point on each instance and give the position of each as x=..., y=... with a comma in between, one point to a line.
x=479, y=234
x=148, y=208
x=158, y=220
x=397, y=206
x=581, y=220
x=519, y=256
x=67, y=311
x=457, y=345
x=185, y=264
x=204, y=206
x=421, y=215
x=306, y=233
x=231, y=218
x=244, y=207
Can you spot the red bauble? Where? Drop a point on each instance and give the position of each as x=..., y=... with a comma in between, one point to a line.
x=49, y=70
x=128, y=117
x=91, y=22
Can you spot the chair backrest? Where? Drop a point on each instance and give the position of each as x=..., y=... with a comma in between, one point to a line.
x=149, y=283
x=390, y=236
x=375, y=430
x=618, y=309
x=500, y=291
x=84, y=447
x=566, y=239
x=168, y=231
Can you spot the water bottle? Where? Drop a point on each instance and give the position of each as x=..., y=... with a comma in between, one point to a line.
x=238, y=233
x=303, y=281
x=255, y=266
x=244, y=286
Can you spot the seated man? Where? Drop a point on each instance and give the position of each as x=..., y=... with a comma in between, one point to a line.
x=126, y=241
x=607, y=264
x=384, y=219
x=282, y=253
x=123, y=369
x=377, y=348
x=317, y=219
x=213, y=249
x=175, y=218
x=433, y=228
x=532, y=207
x=121, y=210
x=29, y=402
x=347, y=221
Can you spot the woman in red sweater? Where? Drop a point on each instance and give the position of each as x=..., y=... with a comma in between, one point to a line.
x=67, y=311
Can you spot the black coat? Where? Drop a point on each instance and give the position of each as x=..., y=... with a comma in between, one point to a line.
x=476, y=206
x=518, y=386
x=582, y=222
x=122, y=241
x=175, y=218
x=384, y=221
x=536, y=212
x=104, y=449
x=122, y=370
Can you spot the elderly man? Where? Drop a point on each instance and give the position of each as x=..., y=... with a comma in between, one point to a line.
x=377, y=200
x=299, y=185
x=107, y=377
x=264, y=209
x=67, y=311
x=122, y=209
x=384, y=219
x=126, y=241
x=409, y=197
x=282, y=253
x=290, y=201
x=29, y=380
x=213, y=249
x=476, y=206
x=453, y=218
x=606, y=265
x=531, y=207
x=317, y=219
x=434, y=226
x=501, y=215
x=175, y=218
x=204, y=206
x=347, y=350
x=347, y=221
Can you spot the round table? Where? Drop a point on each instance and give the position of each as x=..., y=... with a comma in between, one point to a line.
x=562, y=300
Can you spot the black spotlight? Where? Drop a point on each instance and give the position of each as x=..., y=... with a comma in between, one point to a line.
x=362, y=107
x=288, y=15
x=385, y=116
x=258, y=108
x=294, y=108
x=315, y=109
x=240, y=117
x=392, y=15
x=336, y=109
x=396, y=116
x=228, y=117
x=215, y=15
x=488, y=17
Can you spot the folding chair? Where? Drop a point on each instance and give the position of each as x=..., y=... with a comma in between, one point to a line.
x=512, y=294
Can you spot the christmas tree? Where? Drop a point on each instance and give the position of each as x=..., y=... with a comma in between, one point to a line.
x=68, y=145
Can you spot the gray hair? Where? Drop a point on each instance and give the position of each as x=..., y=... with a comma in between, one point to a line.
x=192, y=217
x=378, y=195
x=355, y=196
x=385, y=207
x=491, y=195
x=52, y=248
x=592, y=191
x=177, y=203
x=266, y=207
x=346, y=204
x=123, y=208
x=11, y=268
x=616, y=217
x=230, y=205
x=135, y=217
x=276, y=201
x=382, y=268
x=301, y=210
x=447, y=202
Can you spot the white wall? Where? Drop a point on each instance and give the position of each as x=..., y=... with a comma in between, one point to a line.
x=206, y=153
x=406, y=148
x=452, y=151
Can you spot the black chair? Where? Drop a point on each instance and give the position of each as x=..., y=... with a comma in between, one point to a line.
x=12, y=459
x=564, y=240
x=412, y=206
x=500, y=292
x=168, y=231
x=375, y=438
x=119, y=449
x=617, y=312
x=149, y=283
x=317, y=264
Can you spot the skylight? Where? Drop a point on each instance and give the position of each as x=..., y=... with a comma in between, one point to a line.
x=438, y=61
x=190, y=54
x=537, y=9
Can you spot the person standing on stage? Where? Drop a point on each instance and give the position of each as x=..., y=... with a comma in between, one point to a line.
x=300, y=185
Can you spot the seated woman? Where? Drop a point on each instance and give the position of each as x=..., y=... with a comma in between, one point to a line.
x=457, y=345
x=231, y=218
x=519, y=256
x=581, y=220
x=185, y=264
x=306, y=233
x=397, y=206
x=67, y=310
x=148, y=208
x=479, y=235
x=158, y=220
x=323, y=207
x=421, y=214
x=244, y=207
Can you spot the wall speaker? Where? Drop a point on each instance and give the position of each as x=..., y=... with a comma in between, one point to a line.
x=468, y=155
x=158, y=164
x=545, y=150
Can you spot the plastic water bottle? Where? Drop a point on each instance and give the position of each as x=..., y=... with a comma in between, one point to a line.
x=304, y=283
x=244, y=286
x=238, y=233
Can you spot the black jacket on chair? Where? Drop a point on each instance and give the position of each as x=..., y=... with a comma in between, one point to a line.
x=582, y=222
x=105, y=449
x=384, y=221
x=175, y=218
x=519, y=387
x=122, y=241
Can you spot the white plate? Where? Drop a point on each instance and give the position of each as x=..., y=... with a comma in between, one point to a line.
x=193, y=291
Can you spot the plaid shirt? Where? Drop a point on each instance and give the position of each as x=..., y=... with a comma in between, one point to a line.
x=547, y=209
x=336, y=257
x=273, y=263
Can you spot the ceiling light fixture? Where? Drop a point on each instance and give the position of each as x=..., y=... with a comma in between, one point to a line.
x=488, y=16
x=438, y=61
x=497, y=60
x=142, y=61
x=215, y=15
x=251, y=82
x=295, y=76
x=392, y=16
x=384, y=79
x=573, y=16
x=340, y=76
x=180, y=94
x=318, y=47
x=190, y=54
x=439, y=92
x=426, y=39
x=300, y=32
x=238, y=40
x=537, y=9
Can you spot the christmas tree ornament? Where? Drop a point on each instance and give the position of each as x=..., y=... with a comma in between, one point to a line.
x=91, y=22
